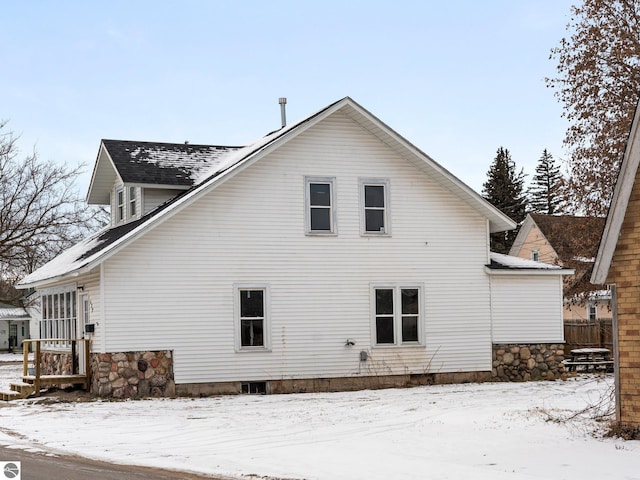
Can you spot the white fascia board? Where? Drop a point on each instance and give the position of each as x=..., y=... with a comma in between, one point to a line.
x=103, y=156
x=525, y=271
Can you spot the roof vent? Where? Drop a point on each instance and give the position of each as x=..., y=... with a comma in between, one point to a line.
x=283, y=110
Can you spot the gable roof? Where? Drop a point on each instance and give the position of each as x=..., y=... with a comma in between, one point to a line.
x=100, y=246
x=150, y=163
x=571, y=237
x=619, y=203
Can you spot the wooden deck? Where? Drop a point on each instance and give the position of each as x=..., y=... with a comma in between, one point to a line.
x=33, y=382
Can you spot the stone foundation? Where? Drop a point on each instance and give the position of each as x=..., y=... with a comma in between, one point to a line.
x=341, y=384
x=524, y=362
x=133, y=374
x=56, y=363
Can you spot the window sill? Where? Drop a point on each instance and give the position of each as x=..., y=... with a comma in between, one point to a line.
x=321, y=234
x=252, y=349
x=401, y=345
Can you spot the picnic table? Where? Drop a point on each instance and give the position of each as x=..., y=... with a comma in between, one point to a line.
x=587, y=359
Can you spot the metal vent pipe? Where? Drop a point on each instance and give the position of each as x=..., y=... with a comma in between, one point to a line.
x=283, y=113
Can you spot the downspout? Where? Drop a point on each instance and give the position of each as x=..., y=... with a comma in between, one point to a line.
x=616, y=350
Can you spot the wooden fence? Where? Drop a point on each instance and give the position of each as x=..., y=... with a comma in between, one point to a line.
x=589, y=333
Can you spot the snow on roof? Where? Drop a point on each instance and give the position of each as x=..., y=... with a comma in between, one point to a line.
x=10, y=311
x=227, y=160
x=499, y=260
x=163, y=163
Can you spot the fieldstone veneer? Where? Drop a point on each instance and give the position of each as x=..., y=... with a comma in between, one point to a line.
x=133, y=374
x=524, y=362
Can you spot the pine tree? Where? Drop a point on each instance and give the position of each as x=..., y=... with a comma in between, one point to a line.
x=504, y=189
x=544, y=192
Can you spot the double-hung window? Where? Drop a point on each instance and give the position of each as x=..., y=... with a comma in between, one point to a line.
x=120, y=205
x=320, y=214
x=252, y=317
x=374, y=202
x=133, y=204
x=397, y=315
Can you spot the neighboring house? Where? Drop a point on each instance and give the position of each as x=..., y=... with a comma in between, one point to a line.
x=14, y=327
x=330, y=254
x=570, y=241
x=618, y=264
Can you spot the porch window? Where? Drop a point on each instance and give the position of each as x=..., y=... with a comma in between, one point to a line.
x=397, y=315
x=252, y=318
x=59, y=315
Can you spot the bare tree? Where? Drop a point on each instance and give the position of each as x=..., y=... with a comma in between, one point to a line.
x=41, y=213
x=599, y=84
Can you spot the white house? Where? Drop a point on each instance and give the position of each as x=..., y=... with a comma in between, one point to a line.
x=14, y=327
x=330, y=254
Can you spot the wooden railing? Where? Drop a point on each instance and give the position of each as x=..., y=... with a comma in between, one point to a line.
x=35, y=345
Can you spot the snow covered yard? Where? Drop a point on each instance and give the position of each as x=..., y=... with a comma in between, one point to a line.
x=470, y=431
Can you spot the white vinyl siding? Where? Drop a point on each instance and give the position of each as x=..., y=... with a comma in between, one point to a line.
x=153, y=197
x=519, y=315
x=173, y=287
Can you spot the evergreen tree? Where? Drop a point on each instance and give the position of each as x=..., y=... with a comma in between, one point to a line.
x=504, y=189
x=544, y=192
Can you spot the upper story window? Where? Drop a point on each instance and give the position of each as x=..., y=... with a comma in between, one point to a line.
x=535, y=255
x=397, y=315
x=320, y=211
x=252, y=317
x=120, y=205
x=133, y=202
x=374, y=201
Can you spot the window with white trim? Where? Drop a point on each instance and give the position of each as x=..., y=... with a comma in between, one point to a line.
x=397, y=315
x=592, y=311
x=120, y=206
x=252, y=317
x=320, y=211
x=85, y=305
x=133, y=205
x=535, y=255
x=374, y=205
x=58, y=308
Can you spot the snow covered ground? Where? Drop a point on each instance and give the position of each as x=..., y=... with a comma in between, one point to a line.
x=472, y=431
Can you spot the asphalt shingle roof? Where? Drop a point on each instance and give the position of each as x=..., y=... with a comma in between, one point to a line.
x=571, y=237
x=163, y=163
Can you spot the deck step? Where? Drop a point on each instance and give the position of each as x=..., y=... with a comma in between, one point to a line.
x=8, y=396
x=56, y=379
x=24, y=389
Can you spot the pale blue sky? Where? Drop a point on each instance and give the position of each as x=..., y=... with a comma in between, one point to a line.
x=456, y=78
